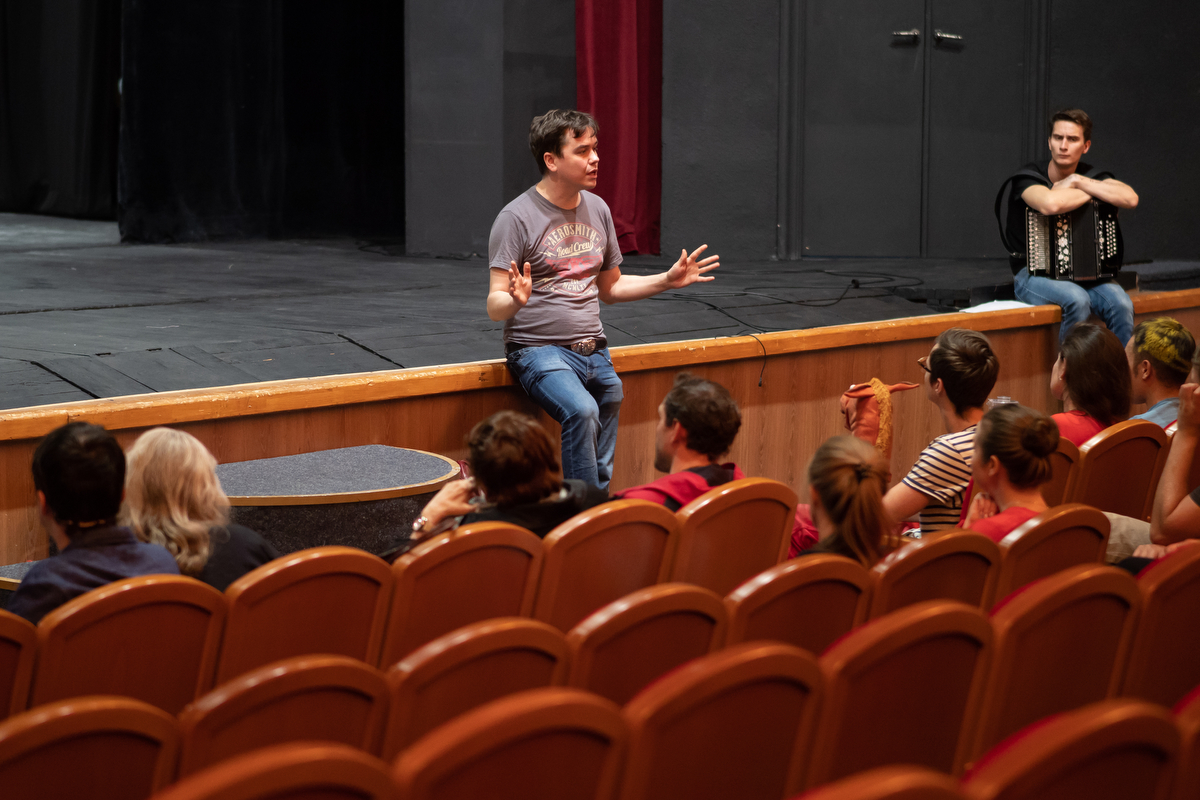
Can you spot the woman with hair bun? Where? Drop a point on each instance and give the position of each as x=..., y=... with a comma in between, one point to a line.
x=1013, y=445
x=1092, y=378
x=173, y=498
x=848, y=478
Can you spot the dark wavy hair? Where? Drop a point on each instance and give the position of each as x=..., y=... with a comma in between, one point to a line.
x=80, y=469
x=1097, y=373
x=1022, y=439
x=513, y=459
x=706, y=411
x=546, y=133
x=964, y=362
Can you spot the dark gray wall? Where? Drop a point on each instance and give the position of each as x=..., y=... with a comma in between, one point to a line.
x=1133, y=67
x=539, y=74
x=476, y=73
x=472, y=90
x=720, y=126
x=454, y=93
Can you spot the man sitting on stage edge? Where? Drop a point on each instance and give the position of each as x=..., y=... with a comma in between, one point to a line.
x=1160, y=358
x=1065, y=187
x=79, y=474
x=553, y=339
x=697, y=422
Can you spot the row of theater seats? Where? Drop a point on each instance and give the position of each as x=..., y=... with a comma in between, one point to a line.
x=627, y=629
x=167, y=639
x=1126, y=631
x=756, y=721
x=346, y=601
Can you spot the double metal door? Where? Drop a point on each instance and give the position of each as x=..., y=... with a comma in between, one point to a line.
x=914, y=112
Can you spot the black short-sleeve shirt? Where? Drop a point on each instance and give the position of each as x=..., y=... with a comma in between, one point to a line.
x=1015, y=226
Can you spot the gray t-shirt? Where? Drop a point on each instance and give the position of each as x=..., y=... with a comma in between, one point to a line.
x=566, y=250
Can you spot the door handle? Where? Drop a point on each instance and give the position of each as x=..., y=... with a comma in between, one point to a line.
x=940, y=35
x=911, y=34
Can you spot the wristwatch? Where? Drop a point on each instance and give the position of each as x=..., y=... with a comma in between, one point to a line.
x=419, y=523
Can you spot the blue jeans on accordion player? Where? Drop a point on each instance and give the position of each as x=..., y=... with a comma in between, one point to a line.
x=1078, y=301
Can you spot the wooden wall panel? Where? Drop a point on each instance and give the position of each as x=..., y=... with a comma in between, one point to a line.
x=787, y=384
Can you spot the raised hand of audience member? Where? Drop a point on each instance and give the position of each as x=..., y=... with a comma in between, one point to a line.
x=1188, y=420
x=452, y=500
x=1175, y=515
x=982, y=507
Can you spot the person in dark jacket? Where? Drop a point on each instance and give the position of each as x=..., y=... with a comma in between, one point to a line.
x=173, y=499
x=516, y=477
x=79, y=474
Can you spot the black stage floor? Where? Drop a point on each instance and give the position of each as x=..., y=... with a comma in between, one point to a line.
x=83, y=316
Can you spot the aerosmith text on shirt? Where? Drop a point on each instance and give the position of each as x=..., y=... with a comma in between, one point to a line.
x=574, y=251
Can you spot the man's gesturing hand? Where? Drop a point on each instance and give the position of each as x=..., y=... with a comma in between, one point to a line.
x=520, y=286
x=687, y=270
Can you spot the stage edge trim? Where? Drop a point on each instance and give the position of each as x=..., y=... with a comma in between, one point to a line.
x=250, y=399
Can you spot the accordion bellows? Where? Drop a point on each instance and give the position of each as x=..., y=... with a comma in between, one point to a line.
x=1079, y=245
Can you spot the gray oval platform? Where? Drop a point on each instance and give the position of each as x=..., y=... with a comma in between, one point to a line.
x=365, y=497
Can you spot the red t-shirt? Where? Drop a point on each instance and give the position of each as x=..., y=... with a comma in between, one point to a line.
x=1004, y=523
x=1077, y=427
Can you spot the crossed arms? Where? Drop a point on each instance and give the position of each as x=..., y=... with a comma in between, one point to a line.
x=1075, y=190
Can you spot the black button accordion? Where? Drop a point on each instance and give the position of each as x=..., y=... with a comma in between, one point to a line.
x=1080, y=245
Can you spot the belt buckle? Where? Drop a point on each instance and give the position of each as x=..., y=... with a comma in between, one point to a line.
x=585, y=347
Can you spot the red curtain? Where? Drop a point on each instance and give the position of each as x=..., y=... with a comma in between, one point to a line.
x=618, y=68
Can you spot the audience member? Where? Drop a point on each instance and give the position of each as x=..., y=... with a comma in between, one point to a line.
x=1013, y=445
x=1176, y=513
x=173, y=499
x=517, y=478
x=847, y=478
x=79, y=475
x=697, y=422
x=1091, y=377
x=1160, y=358
x=960, y=372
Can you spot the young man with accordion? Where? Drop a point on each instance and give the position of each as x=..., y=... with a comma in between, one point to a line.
x=1062, y=234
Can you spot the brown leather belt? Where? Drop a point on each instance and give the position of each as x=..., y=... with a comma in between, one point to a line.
x=587, y=346
x=584, y=347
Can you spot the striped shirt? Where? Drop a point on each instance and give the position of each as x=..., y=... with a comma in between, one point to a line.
x=941, y=473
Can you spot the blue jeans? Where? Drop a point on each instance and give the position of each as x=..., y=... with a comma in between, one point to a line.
x=1107, y=299
x=582, y=394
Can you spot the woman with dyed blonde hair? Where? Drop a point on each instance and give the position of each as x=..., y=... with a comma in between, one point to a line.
x=848, y=478
x=173, y=499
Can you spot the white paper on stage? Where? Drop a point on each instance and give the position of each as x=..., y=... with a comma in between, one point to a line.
x=998, y=305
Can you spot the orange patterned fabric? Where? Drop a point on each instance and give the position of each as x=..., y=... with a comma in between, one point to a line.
x=867, y=408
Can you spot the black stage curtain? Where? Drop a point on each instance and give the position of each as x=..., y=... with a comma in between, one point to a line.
x=59, y=66
x=280, y=118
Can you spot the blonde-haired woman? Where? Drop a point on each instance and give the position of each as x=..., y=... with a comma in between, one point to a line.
x=173, y=498
x=848, y=478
